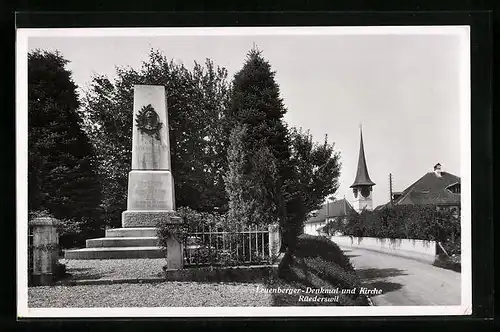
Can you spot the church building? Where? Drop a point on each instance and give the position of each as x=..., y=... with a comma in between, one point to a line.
x=362, y=186
x=362, y=189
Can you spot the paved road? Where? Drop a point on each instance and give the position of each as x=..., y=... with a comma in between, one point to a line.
x=404, y=281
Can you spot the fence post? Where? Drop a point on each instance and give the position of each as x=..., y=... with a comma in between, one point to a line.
x=175, y=248
x=274, y=241
x=45, y=250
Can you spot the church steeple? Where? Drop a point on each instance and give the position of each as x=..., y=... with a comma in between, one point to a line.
x=362, y=177
x=362, y=182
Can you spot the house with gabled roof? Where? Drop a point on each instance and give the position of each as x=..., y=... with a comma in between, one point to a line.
x=437, y=187
x=327, y=212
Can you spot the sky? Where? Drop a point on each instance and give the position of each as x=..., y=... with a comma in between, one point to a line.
x=403, y=89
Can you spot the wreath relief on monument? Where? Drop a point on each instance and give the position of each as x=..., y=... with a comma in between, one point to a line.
x=148, y=121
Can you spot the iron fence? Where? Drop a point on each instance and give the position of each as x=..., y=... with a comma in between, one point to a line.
x=211, y=246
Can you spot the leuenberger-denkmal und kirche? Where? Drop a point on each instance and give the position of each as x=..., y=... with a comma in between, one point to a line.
x=310, y=290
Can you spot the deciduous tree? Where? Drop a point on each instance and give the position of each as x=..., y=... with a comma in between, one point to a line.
x=316, y=169
x=196, y=100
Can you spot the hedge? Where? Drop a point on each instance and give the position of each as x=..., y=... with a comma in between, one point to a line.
x=420, y=222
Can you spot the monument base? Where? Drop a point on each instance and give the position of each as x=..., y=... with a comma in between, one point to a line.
x=147, y=218
x=121, y=243
x=134, y=242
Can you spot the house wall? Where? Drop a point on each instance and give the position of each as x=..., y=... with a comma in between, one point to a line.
x=421, y=250
x=311, y=228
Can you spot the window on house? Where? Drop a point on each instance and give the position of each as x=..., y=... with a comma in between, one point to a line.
x=454, y=188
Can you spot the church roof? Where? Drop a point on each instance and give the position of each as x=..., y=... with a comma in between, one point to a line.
x=362, y=177
x=337, y=208
x=431, y=189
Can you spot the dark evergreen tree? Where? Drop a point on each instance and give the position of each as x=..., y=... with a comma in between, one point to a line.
x=285, y=175
x=256, y=104
x=61, y=162
x=236, y=181
x=196, y=102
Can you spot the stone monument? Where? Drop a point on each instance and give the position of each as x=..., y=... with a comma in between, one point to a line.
x=150, y=182
x=150, y=188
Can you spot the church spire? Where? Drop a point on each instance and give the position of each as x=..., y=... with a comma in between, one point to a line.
x=362, y=177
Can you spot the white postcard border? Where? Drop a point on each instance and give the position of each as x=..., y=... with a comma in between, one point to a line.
x=22, y=189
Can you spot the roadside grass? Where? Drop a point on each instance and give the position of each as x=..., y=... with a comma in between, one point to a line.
x=318, y=263
x=450, y=263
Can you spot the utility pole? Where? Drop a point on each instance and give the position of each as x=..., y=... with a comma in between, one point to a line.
x=390, y=187
x=327, y=208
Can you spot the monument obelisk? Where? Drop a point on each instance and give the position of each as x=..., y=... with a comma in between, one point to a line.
x=151, y=196
x=150, y=182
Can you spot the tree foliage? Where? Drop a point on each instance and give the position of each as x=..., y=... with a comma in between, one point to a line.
x=259, y=153
x=275, y=174
x=316, y=168
x=235, y=179
x=61, y=162
x=196, y=102
x=251, y=193
x=256, y=103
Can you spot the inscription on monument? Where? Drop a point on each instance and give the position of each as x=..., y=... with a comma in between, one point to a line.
x=150, y=190
x=152, y=195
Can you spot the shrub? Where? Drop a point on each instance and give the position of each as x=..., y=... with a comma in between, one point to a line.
x=166, y=230
x=213, y=249
x=71, y=233
x=195, y=221
x=317, y=263
x=192, y=221
x=318, y=246
x=446, y=262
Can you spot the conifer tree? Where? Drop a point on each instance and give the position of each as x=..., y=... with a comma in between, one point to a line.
x=281, y=175
x=235, y=180
x=256, y=104
x=61, y=164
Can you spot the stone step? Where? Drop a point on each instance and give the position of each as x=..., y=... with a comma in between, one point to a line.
x=149, y=241
x=131, y=232
x=115, y=253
